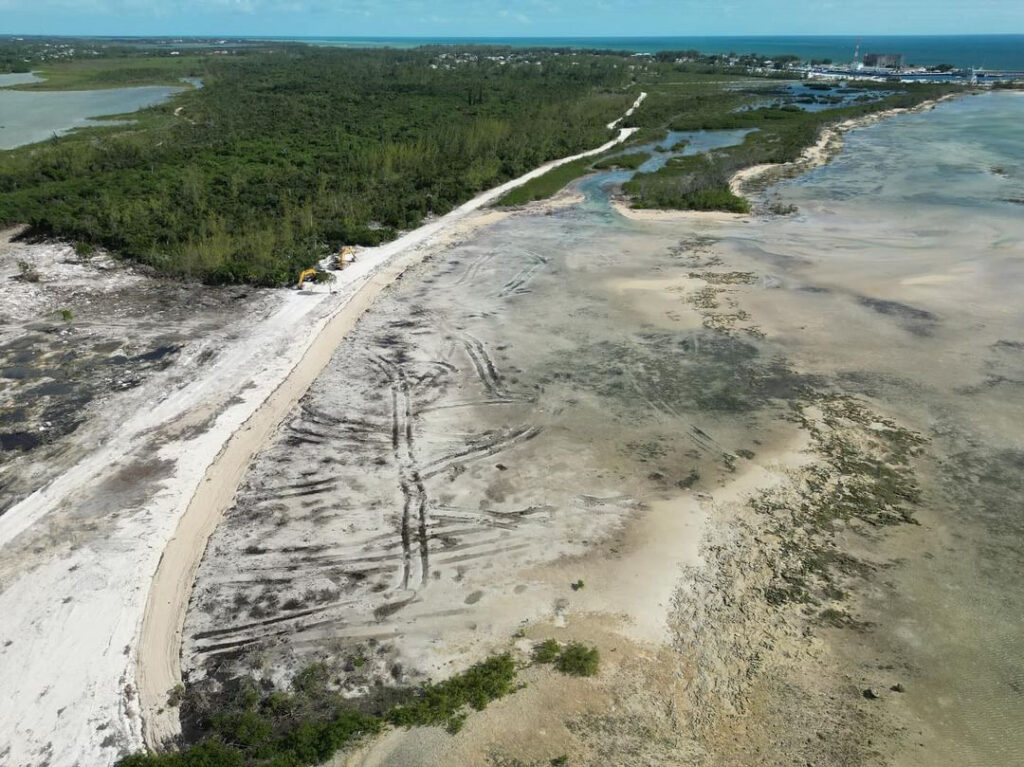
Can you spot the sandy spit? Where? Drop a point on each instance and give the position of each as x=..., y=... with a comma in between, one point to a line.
x=159, y=649
x=623, y=208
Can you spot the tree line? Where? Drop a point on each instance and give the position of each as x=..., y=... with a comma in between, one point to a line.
x=288, y=152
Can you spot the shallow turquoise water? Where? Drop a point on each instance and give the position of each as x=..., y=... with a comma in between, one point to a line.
x=30, y=116
x=967, y=153
x=928, y=209
x=595, y=187
x=901, y=277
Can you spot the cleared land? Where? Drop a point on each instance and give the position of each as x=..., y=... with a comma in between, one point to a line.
x=76, y=536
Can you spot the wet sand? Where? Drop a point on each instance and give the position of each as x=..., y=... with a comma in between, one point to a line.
x=542, y=404
x=751, y=441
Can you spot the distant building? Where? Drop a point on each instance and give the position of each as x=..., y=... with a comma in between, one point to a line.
x=887, y=60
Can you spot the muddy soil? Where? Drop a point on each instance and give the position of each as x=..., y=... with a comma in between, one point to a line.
x=508, y=405
x=75, y=334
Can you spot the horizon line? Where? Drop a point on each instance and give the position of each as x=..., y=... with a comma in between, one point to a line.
x=492, y=37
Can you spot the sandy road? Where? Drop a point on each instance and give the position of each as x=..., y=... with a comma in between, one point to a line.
x=159, y=646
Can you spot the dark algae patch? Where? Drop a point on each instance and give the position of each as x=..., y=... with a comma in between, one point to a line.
x=864, y=481
x=687, y=372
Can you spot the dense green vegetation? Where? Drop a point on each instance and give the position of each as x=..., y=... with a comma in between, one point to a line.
x=290, y=151
x=249, y=726
x=119, y=72
x=550, y=183
x=575, y=659
x=547, y=184
x=442, y=703
x=75, y=57
x=578, y=660
x=546, y=651
x=628, y=161
x=246, y=725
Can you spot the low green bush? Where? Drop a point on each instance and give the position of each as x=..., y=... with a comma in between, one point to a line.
x=546, y=651
x=309, y=725
x=437, y=704
x=578, y=660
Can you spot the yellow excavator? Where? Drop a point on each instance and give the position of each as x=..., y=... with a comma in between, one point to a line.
x=306, y=274
x=343, y=258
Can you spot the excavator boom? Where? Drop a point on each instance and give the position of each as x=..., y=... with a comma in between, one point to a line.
x=306, y=274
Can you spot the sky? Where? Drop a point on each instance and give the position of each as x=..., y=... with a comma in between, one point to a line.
x=522, y=18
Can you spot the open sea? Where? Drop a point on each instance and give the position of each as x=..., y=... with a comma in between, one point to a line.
x=979, y=51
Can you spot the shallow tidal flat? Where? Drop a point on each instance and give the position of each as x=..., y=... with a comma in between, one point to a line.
x=780, y=459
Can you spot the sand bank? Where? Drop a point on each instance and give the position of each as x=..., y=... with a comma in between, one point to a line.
x=829, y=142
x=623, y=208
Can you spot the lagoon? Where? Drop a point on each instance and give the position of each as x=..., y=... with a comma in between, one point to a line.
x=30, y=116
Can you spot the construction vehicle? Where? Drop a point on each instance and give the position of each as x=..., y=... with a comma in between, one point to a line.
x=306, y=274
x=344, y=257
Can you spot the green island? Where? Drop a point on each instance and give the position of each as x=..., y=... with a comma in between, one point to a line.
x=777, y=135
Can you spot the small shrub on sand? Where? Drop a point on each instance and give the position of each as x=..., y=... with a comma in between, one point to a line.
x=440, y=703
x=578, y=660
x=546, y=651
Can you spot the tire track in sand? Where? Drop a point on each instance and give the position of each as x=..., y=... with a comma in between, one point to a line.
x=158, y=667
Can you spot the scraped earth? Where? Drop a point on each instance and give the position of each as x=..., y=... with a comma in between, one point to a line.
x=576, y=426
x=78, y=331
x=116, y=385
x=491, y=415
